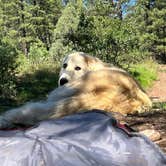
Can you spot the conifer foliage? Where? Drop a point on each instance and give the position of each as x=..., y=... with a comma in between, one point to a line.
x=120, y=32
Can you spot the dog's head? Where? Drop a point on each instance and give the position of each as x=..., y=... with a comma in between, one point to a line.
x=76, y=65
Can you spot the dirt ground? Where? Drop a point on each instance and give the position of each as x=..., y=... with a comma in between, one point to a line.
x=158, y=91
x=156, y=119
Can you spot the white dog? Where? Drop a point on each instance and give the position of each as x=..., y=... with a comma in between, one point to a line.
x=77, y=64
x=86, y=83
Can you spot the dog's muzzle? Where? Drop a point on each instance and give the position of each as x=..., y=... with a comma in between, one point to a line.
x=63, y=81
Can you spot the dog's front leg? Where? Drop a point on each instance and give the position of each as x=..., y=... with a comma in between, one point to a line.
x=31, y=113
x=28, y=114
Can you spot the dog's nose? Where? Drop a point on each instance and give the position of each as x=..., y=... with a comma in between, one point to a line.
x=63, y=81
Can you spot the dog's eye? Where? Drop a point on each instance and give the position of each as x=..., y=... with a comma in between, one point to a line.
x=64, y=65
x=77, y=68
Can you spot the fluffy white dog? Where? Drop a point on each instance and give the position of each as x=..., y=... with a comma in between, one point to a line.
x=85, y=83
x=77, y=64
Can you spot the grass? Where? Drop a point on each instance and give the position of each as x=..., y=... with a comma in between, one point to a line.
x=36, y=86
x=159, y=105
x=145, y=73
x=37, y=81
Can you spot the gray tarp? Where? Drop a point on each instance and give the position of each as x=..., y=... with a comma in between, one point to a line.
x=87, y=139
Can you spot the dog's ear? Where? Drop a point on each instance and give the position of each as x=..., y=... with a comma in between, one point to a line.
x=90, y=60
x=94, y=63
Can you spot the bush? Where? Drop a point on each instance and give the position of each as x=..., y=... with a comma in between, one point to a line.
x=145, y=73
x=38, y=75
x=37, y=84
x=8, y=56
x=38, y=53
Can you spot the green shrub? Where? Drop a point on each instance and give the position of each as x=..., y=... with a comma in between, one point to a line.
x=145, y=73
x=159, y=105
x=38, y=74
x=23, y=64
x=36, y=85
x=37, y=53
x=8, y=65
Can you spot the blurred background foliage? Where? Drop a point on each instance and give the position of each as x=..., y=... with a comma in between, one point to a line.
x=36, y=34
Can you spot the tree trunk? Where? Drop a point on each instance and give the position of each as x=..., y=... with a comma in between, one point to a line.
x=23, y=30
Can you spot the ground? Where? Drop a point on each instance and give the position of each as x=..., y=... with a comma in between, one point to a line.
x=158, y=90
x=157, y=118
x=154, y=120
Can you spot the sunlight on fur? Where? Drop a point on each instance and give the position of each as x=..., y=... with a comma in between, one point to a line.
x=85, y=83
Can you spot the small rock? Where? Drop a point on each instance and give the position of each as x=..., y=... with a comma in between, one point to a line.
x=145, y=126
x=161, y=142
x=152, y=134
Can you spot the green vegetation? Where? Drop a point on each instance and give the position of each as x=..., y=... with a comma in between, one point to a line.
x=145, y=73
x=8, y=65
x=36, y=34
x=66, y=25
x=35, y=86
x=159, y=106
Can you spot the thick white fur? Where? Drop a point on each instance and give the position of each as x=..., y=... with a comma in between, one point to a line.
x=83, y=92
x=86, y=62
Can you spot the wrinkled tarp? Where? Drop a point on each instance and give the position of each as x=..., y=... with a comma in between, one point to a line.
x=86, y=139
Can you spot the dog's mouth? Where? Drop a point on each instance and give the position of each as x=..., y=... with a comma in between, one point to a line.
x=63, y=81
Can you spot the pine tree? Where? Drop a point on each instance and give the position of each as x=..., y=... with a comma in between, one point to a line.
x=9, y=21
x=45, y=14
x=16, y=27
x=148, y=17
x=103, y=32
x=26, y=22
x=158, y=28
x=66, y=25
